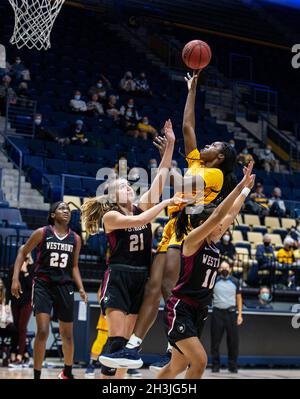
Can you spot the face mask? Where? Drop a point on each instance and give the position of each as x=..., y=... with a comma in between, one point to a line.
x=77, y=97
x=245, y=151
x=102, y=94
x=153, y=165
x=232, y=145
x=226, y=237
x=265, y=296
x=130, y=105
x=224, y=273
x=129, y=114
x=268, y=152
x=267, y=244
x=99, y=85
x=145, y=122
x=18, y=61
x=38, y=121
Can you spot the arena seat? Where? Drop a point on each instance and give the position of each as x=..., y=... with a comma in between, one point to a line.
x=11, y=215
x=287, y=223
x=252, y=220
x=276, y=240
x=255, y=238
x=260, y=229
x=237, y=236
x=272, y=222
x=75, y=200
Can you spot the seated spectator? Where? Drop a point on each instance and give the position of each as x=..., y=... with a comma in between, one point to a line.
x=258, y=203
x=17, y=68
x=142, y=85
x=277, y=205
x=102, y=84
x=6, y=92
x=94, y=108
x=42, y=132
x=266, y=261
x=152, y=164
x=130, y=107
x=263, y=301
x=268, y=160
x=245, y=157
x=7, y=328
x=295, y=231
x=232, y=143
x=127, y=83
x=227, y=249
x=286, y=259
x=77, y=133
x=129, y=120
x=23, y=95
x=146, y=129
x=174, y=166
x=157, y=236
x=112, y=108
x=77, y=104
x=21, y=309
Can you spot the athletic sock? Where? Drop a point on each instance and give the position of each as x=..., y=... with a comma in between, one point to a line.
x=68, y=371
x=134, y=342
x=93, y=362
x=36, y=374
x=169, y=348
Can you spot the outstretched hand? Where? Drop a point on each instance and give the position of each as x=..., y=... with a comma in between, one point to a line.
x=248, y=179
x=160, y=142
x=192, y=80
x=169, y=132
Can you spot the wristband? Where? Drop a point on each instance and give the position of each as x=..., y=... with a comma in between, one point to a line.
x=246, y=191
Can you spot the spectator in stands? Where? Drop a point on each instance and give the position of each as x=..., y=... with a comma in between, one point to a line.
x=245, y=157
x=94, y=108
x=103, y=84
x=77, y=133
x=112, y=107
x=42, y=132
x=266, y=261
x=226, y=316
x=6, y=70
x=232, y=143
x=129, y=119
x=258, y=203
x=142, y=85
x=286, y=259
x=146, y=129
x=23, y=95
x=121, y=167
x=21, y=309
x=127, y=83
x=174, y=166
x=268, y=160
x=6, y=92
x=157, y=236
x=130, y=109
x=7, y=328
x=152, y=164
x=77, y=104
x=295, y=231
x=227, y=249
x=17, y=68
x=263, y=300
x=277, y=205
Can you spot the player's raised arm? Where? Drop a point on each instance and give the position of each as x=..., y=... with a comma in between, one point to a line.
x=233, y=211
x=188, y=125
x=33, y=241
x=152, y=196
x=198, y=235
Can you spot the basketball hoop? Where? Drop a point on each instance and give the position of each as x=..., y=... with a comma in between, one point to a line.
x=34, y=20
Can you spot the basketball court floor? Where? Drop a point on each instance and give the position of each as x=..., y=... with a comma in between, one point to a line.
x=6, y=373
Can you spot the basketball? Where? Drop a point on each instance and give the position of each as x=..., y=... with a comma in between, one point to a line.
x=196, y=54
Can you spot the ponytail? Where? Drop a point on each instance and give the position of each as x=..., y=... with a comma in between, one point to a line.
x=93, y=210
x=181, y=224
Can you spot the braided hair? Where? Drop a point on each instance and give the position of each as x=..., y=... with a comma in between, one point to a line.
x=227, y=167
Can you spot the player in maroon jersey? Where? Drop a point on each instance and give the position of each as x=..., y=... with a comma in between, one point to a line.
x=56, y=269
x=186, y=309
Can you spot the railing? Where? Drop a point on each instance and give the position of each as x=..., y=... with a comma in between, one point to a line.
x=19, y=165
x=20, y=114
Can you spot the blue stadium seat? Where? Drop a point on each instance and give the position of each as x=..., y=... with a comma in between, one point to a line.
x=11, y=215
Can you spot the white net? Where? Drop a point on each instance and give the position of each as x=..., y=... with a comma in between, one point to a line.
x=34, y=20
